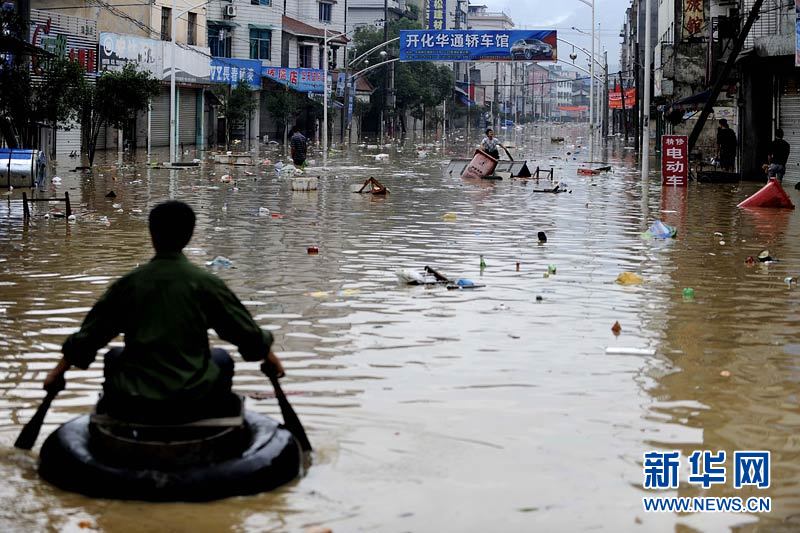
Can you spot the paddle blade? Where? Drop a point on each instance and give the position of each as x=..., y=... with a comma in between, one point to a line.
x=29, y=434
x=290, y=419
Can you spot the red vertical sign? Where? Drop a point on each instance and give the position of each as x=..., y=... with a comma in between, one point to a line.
x=675, y=160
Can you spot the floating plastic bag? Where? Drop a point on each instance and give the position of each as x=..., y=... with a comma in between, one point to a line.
x=220, y=262
x=659, y=230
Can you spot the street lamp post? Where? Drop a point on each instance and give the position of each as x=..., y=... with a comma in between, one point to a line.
x=646, y=105
x=325, y=101
x=591, y=68
x=325, y=41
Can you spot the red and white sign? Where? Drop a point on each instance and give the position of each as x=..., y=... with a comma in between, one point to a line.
x=675, y=160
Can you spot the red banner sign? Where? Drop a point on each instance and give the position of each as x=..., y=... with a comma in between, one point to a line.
x=675, y=160
x=615, y=99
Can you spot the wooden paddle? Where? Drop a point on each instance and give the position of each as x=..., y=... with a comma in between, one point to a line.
x=28, y=435
x=290, y=419
x=507, y=152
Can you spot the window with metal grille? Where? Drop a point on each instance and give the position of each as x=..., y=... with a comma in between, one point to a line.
x=305, y=56
x=191, y=29
x=325, y=11
x=219, y=40
x=260, y=42
x=166, y=24
x=261, y=2
x=776, y=17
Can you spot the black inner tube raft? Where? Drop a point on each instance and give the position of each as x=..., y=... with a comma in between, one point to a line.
x=269, y=457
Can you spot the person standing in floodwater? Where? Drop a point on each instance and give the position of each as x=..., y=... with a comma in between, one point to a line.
x=726, y=146
x=299, y=147
x=41, y=168
x=778, y=156
x=490, y=143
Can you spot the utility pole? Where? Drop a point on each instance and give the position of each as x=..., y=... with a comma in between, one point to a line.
x=646, y=106
x=384, y=99
x=637, y=83
x=605, y=95
x=624, y=117
x=346, y=81
x=496, y=117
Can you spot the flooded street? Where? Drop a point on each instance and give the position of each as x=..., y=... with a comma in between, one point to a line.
x=430, y=409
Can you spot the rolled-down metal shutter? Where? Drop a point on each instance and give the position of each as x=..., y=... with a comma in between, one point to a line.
x=188, y=116
x=159, y=127
x=68, y=137
x=790, y=123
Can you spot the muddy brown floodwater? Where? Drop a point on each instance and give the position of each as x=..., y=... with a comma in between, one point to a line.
x=429, y=409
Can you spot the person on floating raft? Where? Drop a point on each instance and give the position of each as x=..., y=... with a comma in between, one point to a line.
x=166, y=373
x=490, y=143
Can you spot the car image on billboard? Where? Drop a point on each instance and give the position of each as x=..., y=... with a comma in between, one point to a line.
x=530, y=49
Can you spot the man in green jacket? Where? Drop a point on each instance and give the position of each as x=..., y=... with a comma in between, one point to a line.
x=166, y=372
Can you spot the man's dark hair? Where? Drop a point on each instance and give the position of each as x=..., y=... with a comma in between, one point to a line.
x=171, y=226
x=723, y=122
x=488, y=130
x=779, y=133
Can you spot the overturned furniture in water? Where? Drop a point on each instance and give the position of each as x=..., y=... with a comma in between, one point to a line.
x=484, y=166
x=429, y=276
x=371, y=186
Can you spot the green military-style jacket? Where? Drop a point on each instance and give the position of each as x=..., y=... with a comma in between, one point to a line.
x=164, y=309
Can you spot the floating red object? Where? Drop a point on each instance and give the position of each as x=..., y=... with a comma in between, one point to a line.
x=770, y=195
x=313, y=250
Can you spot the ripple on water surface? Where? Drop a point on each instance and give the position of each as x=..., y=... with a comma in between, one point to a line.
x=432, y=409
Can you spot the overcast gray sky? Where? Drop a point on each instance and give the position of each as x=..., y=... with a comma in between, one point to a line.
x=562, y=15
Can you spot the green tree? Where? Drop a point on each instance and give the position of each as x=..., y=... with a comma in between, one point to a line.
x=284, y=105
x=238, y=106
x=114, y=100
x=418, y=85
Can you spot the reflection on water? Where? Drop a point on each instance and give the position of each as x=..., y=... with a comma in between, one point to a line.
x=431, y=409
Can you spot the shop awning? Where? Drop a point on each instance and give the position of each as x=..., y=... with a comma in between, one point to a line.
x=260, y=26
x=694, y=102
x=301, y=29
x=223, y=23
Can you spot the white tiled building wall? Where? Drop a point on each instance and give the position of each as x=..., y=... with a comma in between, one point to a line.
x=248, y=14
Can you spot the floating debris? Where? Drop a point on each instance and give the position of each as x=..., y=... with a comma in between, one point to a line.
x=220, y=262
x=629, y=278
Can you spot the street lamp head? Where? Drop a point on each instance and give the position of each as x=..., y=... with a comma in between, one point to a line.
x=383, y=54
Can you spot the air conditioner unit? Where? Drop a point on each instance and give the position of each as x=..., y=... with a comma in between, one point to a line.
x=230, y=11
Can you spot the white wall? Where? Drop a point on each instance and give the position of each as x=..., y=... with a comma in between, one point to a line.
x=247, y=14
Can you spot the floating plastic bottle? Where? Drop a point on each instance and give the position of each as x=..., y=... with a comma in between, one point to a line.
x=688, y=293
x=483, y=263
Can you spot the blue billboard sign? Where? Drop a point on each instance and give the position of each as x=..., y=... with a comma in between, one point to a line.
x=232, y=71
x=437, y=14
x=478, y=45
x=304, y=80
